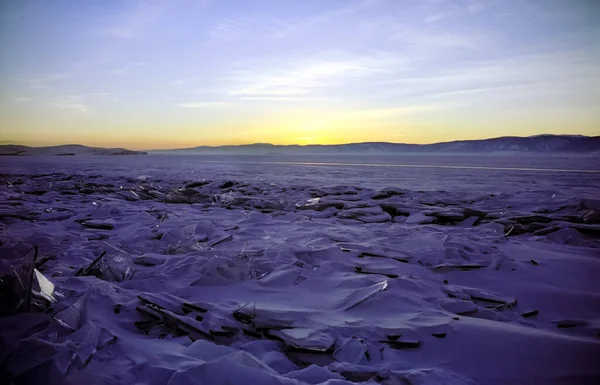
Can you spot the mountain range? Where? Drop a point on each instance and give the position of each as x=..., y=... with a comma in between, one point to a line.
x=508, y=144
x=543, y=144
x=63, y=150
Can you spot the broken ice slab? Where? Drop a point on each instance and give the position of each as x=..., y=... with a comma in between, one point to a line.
x=361, y=295
x=360, y=270
x=446, y=216
x=172, y=303
x=246, y=313
x=187, y=231
x=314, y=374
x=419, y=219
x=400, y=257
x=592, y=217
x=180, y=324
x=93, y=268
x=16, y=273
x=71, y=316
x=474, y=294
x=306, y=339
x=350, y=350
x=197, y=184
x=163, y=301
x=593, y=230
x=187, y=307
x=529, y=313
x=216, y=241
x=317, y=204
x=87, y=341
x=468, y=222
x=482, y=295
x=527, y=219
x=149, y=312
x=569, y=323
x=187, y=325
x=219, y=326
x=185, y=195
x=44, y=288
x=235, y=368
x=150, y=259
x=98, y=224
x=408, y=339
x=117, y=268
x=460, y=307
x=366, y=214
x=388, y=193
x=460, y=266
x=367, y=250
x=363, y=374
x=55, y=216
x=33, y=355
x=469, y=213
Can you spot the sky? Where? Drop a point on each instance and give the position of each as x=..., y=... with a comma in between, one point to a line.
x=181, y=73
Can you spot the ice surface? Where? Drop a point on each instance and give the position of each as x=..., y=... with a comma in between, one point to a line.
x=182, y=270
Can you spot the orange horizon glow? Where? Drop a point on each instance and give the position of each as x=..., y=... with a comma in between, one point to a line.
x=141, y=145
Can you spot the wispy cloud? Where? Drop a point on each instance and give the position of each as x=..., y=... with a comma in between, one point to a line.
x=260, y=26
x=275, y=98
x=528, y=73
x=426, y=41
x=72, y=104
x=22, y=99
x=127, y=68
x=387, y=113
x=470, y=91
x=132, y=22
x=43, y=82
x=437, y=16
x=296, y=77
x=273, y=86
x=96, y=95
x=475, y=6
x=205, y=105
x=442, y=10
x=184, y=81
x=248, y=27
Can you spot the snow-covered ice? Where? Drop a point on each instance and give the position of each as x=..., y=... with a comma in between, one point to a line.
x=277, y=270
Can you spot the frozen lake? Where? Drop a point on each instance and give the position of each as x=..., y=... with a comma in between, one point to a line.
x=493, y=173
x=329, y=270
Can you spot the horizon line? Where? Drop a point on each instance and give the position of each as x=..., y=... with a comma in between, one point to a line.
x=369, y=142
x=17, y=143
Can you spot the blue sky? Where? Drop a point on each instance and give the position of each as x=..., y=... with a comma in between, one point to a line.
x=158, y=74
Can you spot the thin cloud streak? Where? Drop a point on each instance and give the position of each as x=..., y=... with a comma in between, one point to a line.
x=72, y=106
x=22, y=99
x=134, y=21
x=204, y=105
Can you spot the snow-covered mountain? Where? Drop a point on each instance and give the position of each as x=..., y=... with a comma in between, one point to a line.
x=68, y=149
x=507, y=144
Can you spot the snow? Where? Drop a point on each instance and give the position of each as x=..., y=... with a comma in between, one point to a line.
x=183, y=270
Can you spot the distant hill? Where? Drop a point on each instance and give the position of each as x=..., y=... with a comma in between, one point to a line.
x=574, y=144
x=64, y=150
